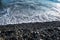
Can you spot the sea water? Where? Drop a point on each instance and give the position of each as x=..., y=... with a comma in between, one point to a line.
x=26, y=11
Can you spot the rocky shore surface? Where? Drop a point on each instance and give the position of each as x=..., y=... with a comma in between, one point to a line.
x=31, y=31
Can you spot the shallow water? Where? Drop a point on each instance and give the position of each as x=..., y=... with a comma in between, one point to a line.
x=25, y=11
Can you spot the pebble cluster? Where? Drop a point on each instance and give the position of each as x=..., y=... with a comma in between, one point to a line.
x=29, y=32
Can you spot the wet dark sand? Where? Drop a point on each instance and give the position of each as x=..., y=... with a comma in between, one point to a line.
x=31, y=31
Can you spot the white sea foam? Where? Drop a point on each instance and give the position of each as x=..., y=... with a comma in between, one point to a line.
x=31, y=11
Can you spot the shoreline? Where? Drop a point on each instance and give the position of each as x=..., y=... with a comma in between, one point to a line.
x=53, y=23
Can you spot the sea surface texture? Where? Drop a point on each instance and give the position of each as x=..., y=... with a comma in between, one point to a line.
x=26, y=11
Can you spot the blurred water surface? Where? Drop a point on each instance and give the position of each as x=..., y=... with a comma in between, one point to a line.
x=25, y=11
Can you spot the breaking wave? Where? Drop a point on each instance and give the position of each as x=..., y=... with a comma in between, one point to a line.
x=23, y=11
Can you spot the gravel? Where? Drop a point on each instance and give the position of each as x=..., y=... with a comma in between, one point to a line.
x=30, y=31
